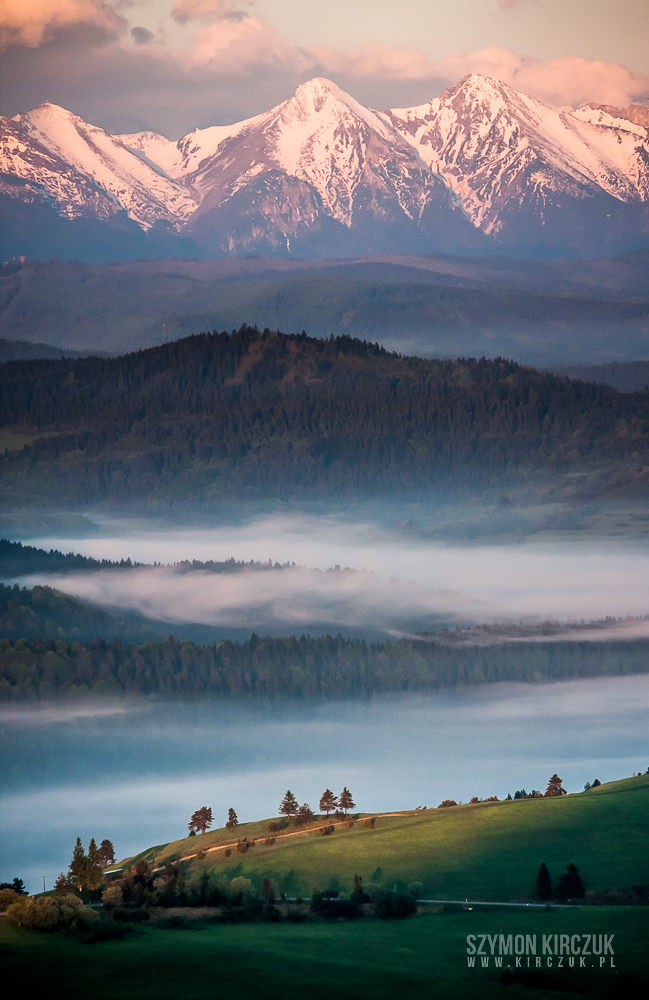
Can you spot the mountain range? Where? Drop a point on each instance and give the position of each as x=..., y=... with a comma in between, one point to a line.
x=481, y=169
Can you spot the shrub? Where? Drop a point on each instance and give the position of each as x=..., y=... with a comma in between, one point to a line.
x=7, y=897
x=131, y=915
x=369, y=822
x=112, y=896
x=446, y=803
x=105, y=930
x=415, y=889
x=51, y=913
x=394, y=905
x=241, y=889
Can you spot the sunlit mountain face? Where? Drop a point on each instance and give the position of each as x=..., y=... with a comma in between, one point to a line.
x=481, y=169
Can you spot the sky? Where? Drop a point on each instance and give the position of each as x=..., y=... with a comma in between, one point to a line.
x=173, y=65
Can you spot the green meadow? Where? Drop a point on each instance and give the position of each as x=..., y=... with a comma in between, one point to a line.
x=368, y=959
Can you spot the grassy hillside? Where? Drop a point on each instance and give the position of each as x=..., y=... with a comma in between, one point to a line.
x=487, y=851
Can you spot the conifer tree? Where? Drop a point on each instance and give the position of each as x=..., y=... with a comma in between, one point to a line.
x=346, y=801
x=94, y=873
x=543, y=882
x=106, y=853
x=571, y=883
x=288, y=806
x=201, y=820
x=78, y=865
x=328, y=802
x=304, y=814
x=232, y=819
x=555, y=786
x=63, y=884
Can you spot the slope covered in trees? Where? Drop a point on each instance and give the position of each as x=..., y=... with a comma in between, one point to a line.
x=305, y=667
x=268, y=415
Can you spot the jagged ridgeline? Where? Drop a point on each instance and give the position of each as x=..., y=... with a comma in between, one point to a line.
x=268, y=415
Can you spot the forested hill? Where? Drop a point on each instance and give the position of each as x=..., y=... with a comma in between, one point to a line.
x=252, y=414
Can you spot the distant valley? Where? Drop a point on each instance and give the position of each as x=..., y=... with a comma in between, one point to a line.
x=545, y=313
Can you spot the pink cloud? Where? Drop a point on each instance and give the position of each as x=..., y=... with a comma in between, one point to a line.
x=32, y=23
x=208, y=10
x=564, y=82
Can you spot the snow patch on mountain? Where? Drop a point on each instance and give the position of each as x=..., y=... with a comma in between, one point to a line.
x=144, y=192
x=494, y=146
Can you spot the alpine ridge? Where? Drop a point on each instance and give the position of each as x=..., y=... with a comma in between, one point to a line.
x=483, y=168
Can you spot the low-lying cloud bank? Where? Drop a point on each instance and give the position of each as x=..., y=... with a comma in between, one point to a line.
x=404, y=584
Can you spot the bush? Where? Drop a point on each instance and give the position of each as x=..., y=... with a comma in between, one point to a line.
x=241, y=890
x=394, y=905
x=112, y=896
x=331, y=908
x=446, y=803
x=131, y=915
x=369, y=822
x=105, y=930
x=7, y=897
x=50, y=913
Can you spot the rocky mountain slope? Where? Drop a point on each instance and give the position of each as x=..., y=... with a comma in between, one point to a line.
x=482, y=168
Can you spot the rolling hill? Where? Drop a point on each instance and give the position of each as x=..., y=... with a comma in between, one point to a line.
x=487, y=851
x=270, y=416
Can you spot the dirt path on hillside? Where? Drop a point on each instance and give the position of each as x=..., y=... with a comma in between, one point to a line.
x=295, y=833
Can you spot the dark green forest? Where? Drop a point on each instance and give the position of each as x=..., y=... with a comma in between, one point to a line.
x=17, y=559
x=252, y=415
x=31, y=613
x=304, y=667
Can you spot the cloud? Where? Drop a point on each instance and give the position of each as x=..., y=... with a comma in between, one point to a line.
x=142, y=36
x=208, y=10
x=118, y=80
x=409, y=583
x=566, y=81
x=30, y=24
x=374, y=60
x=244, y=46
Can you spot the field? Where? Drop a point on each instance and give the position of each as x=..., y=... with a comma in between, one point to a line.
x=425, y=956
x=487, y=851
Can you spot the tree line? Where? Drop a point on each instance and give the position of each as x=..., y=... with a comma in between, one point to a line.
x=305, y=667
x=17, y=559
x=252, y=414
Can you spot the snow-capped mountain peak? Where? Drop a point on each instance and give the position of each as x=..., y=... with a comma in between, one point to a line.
x=138, y=187
x=482, y=162
x=495, y=146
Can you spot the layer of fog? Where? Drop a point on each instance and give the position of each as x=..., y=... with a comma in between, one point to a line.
x=406, y=580
x=136, y=775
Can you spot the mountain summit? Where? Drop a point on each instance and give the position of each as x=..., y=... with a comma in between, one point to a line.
x=481, y=168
